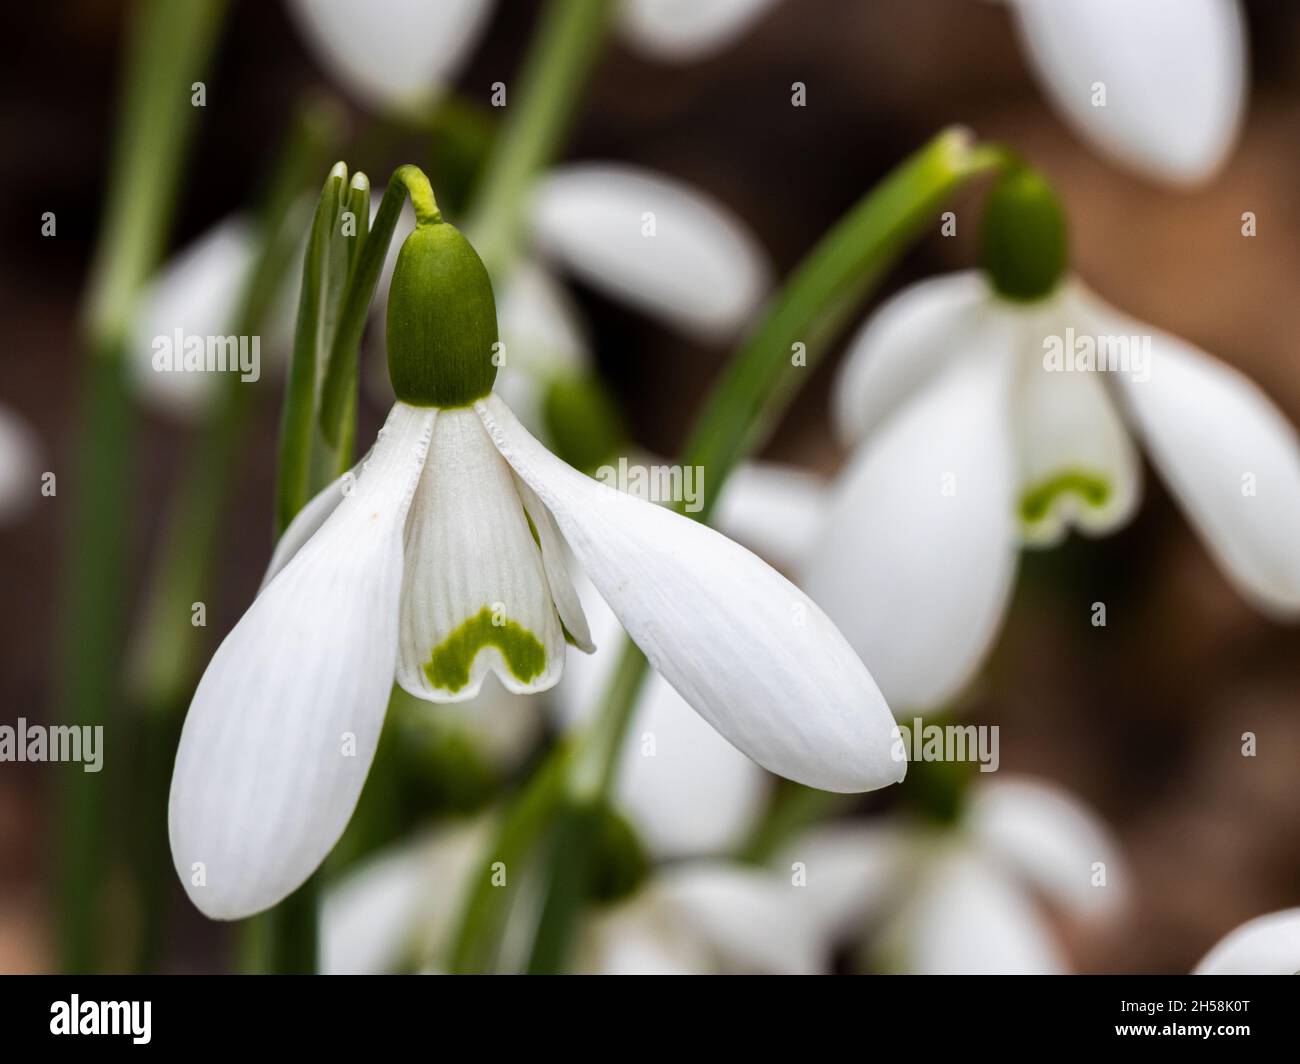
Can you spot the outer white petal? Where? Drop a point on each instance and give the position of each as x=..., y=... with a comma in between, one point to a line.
x=399, y=909
x=284, y=723
x=687, y=790
x=393, y=54
x=558, y=580
x=470, y=554
x=1266, y=945
x=701, y=269
x=1215, y=436
x=197, y=292
x=851, y=872
x=1078, y=465
x=901, y=346
x=775, y=510
x=967, y=917
x=681, y=30
x=706, y=917
x=919, y=553
x=1052, y=840
x=747, y=649
x=19, y=451
x=1174, y=73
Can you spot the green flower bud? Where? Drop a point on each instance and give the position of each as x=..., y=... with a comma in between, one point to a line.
x=1024, y=245
x=442, y=320
x=583, y=425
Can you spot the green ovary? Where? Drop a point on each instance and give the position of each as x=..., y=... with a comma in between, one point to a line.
x=449, y=664
x=1036, y=502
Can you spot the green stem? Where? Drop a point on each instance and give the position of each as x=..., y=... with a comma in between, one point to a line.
x=560, y=59
x=169, y=50
x=166, y=650
x=760, y=381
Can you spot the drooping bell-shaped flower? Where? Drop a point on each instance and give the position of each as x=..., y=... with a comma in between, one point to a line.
x=441, y=558
x=998, y=409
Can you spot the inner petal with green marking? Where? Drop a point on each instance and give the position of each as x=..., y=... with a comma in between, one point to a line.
x=1037, y=500
x=449, y=665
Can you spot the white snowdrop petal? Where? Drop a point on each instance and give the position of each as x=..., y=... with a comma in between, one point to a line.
x=392, y=54
x=687, y=791
x=742, y=645
x=1052, y=840
x=476, y=595
x=1173, y=73
x=1266, y=945
x=1232, y=460
x=683, y=30
x=900, y=346
x=196, y=292
x=966, y=917
x=283, y=726
x=662, y=246
x=918, y=556
x=308, y=521
x=1078, y=465
x=554, y=550
x=775, y=510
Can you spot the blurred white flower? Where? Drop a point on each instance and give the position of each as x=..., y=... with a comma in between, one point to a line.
x=1266, y=945
x=703, y=918
x=441, y=558
x=393, y=55
x=19, y=456
x=1157, y=85
x=400, y=55
x=964, y=899
x=682, y=30
x=969, y=440
x=198, y=291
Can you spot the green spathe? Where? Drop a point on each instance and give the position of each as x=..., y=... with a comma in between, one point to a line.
x=448, y=666
x=442, y=321
x=1036, y=502
x=1024, y=246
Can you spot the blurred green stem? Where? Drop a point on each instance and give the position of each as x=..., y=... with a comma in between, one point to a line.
x=165, y=651
x=170, y=46
x=563, y=52
x=750, y=396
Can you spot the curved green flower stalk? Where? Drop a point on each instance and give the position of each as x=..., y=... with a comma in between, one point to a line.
x=170, y=48
x=753, y=391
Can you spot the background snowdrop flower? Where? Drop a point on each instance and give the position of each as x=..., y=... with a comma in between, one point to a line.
x=441, y=558
x=964, y=899
x=198, y=292
x=703, y=918
x=654, y=242
x=978, y=422
x=1266, y=945
x=19, y=457
x=393, y=55
x=1157, y=85
x=682, y=30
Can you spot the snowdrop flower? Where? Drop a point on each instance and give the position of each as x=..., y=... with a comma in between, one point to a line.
x=704, y=918
x=198, y=292
x=393, y=55
x=1266, y=945
x=1158, y=85
x=439, y=559
x=399, y=55
x=978, y=423
x=964, y=899
x=682, y=30
x=19, y=456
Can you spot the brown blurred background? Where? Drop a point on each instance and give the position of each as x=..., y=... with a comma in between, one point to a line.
x=1142, y=718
